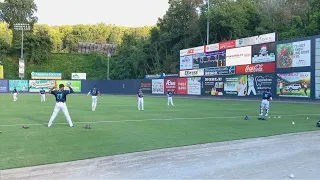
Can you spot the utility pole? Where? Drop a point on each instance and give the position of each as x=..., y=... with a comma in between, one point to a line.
x=21, y=27
x=208, y=23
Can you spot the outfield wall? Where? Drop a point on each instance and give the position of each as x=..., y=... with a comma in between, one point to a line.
x=303, y=68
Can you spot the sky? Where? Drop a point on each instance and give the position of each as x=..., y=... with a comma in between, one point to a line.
x=133, y=13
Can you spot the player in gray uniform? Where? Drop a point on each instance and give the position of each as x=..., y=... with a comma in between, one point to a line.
x=15, y=93
x=94, y=92
x=140, y=99
x=42, y=95
x=169, y=94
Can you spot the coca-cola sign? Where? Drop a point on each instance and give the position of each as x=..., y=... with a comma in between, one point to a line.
x=255, y=68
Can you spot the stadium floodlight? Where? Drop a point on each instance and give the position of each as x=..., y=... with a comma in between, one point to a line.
x=21, y=27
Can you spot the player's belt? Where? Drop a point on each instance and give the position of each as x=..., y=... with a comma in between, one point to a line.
x=61, y=102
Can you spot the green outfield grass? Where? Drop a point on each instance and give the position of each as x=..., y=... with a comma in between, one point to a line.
x=118, y=127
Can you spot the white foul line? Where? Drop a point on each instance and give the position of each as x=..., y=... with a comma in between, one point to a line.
x=170, y=119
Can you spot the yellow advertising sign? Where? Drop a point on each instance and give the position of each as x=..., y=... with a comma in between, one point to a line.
x=1, y=72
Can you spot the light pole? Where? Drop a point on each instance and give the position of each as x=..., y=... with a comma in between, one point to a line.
x=21, y=27
x=208, y=23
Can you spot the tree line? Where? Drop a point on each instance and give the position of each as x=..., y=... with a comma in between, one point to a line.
x=150, y=50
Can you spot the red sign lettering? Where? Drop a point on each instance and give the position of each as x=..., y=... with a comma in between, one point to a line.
x=182, y=87
x=170, y=84
x=227, y=44
x=255, y=68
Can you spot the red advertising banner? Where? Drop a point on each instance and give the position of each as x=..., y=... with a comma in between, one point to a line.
x=256, y=68
x=182, y=87
x=170, y=84
x=227, y=44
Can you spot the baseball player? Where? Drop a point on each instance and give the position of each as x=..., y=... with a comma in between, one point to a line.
x=140, y=99
x=61, y=100
x=94, y=92
x=266, y=98
x=42, y=95
x=15, y=93
x=169, y=94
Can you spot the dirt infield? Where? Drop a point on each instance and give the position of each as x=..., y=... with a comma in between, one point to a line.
x=273, y=157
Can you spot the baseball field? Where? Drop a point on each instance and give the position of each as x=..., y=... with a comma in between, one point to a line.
x=117, y=127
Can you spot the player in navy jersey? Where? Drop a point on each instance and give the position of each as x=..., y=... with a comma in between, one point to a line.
x=42, y=95
x=266, y=98
x=15, y=93
x=169, y=94
x=140, y=99
x=61, y=100
x=94, y=92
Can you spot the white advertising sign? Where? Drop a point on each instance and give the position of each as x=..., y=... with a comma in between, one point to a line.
x=194, y=86
x=238, y=56
x=191, y=73
x=191, y=51
x=186, y=62
x=79, y=76
x=261, y=39
x=265, y=38
x=157, y=86
x=245, y=42
x=183, y=52
x=212, y=47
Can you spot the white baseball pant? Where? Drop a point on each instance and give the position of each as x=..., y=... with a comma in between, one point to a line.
x=140, y=103
x=63, y=107
x=170, y=101
x=264, y=104
x=43, y=98
x=94, y=102
x=15, y=96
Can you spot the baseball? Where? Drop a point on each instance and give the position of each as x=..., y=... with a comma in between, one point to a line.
x=291, y=176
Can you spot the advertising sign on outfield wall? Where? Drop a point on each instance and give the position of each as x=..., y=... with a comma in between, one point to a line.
x=4, y=86
x=146, y=86
x=264, y=53
x=238, y=56
x=295, y=54
x=213, y=86
x=197, y=59
x=37, y=85
x=192, y=73
x=194, y=86
x=317, y=68
x=219, y=71
x=256, y=68
x=46, y=75
x=214, y=59
x=236, y=85
x=227, y=44
x=212, y=47
x=79, y=76
x=21, y=85
x=75, y=85
x=261, y=39
x=191, y=51
x=295, y=84
x=259, y=83
x=186, y=62
x=157, y=86
x=170, y=84
x=182, y=87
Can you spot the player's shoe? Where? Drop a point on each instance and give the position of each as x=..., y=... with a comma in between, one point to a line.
x=267, y=115
x=260, y=114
